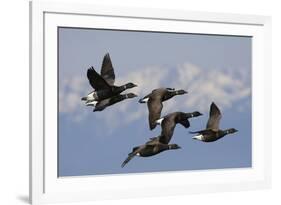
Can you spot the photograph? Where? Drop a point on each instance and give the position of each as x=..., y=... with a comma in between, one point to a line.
x=135, y=101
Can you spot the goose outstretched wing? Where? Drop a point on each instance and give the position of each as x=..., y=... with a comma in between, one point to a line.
x=154, y=108
x=96, y=81
x=214, y=117
x=107, y=71
x=168, y=126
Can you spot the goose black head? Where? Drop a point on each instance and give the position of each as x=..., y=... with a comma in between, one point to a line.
x=130, y=85
x=180, y=92
x=174, y=146
x=231, y=130
x=131, y=95
x=196, y=114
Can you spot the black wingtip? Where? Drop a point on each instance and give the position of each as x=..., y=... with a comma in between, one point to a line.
x=213, y=104
x=214, y=108
x=124, y=163
x=91, y=69
x=152, y=126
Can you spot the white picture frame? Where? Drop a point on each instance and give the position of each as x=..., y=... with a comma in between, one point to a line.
x=46, y=187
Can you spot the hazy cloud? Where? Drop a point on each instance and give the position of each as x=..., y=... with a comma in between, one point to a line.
x=225, y=87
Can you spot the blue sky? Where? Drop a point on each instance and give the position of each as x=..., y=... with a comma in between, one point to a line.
x=210, y=67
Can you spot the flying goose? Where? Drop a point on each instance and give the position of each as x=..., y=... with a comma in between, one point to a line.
x=212, y=131
x=103, y=83
x=148, y=150
x=168, y=124
x=101, y=105
x=154, y=102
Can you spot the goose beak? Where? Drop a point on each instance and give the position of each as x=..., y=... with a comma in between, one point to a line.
x=84, y=98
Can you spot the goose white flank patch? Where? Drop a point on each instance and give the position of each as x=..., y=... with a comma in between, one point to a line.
x=91, y=103
x=198, y=137
x=159, y=121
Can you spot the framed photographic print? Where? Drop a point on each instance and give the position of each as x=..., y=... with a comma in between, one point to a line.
x=130, y=102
